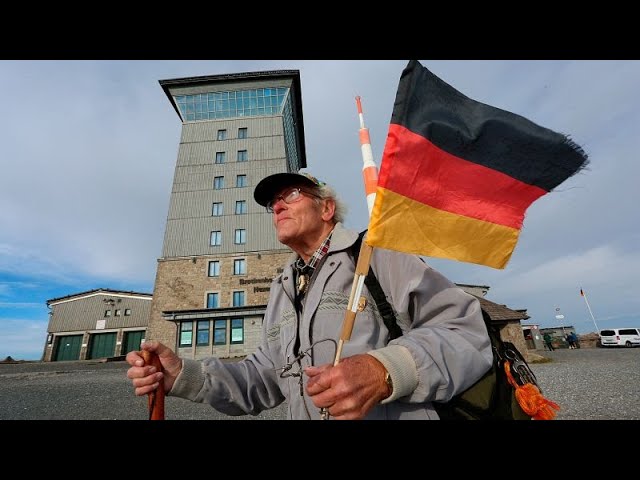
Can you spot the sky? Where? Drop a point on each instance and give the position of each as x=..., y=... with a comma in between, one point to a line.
x=88, y=151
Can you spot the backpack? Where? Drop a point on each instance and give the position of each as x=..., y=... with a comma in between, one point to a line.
x=493, y=396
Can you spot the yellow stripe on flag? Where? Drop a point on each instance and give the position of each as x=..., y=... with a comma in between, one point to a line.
x=399, y=223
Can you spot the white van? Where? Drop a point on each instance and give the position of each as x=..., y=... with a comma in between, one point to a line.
x=620, y=337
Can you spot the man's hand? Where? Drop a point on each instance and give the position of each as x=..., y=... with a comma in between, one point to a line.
x=350, y=389
x=146, y=378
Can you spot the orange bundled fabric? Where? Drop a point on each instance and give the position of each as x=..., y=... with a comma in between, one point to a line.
x=530, y=398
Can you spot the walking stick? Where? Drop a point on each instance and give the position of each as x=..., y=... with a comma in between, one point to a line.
x=156, y=398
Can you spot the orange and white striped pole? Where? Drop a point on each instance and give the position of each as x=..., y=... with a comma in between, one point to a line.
x=369, y=168
x=370, y=177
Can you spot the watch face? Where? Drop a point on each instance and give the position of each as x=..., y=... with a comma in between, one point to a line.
x=387, y=379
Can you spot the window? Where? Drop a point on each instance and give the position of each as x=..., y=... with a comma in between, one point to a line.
x=214, y=268
x=213, y=300
x=118, y=312
x=237, y=330
x=220, y=156
x=218, y=183
x=107, y=313
x=238, y=299
x=186, y=334
x=241, y=207
x=242, y=156
x=202, y=332
x=222, y=134
x=628, y=331
x=241, y=181
x=240, y=236
x=216, y=238
x=240, y=267
x=220, y=332
x=242, y=132
x=216, y=209
x=127, y=312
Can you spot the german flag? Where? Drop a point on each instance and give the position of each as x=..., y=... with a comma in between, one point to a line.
x=457, y=175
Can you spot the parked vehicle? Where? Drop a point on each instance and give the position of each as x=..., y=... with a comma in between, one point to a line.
x=620, y=337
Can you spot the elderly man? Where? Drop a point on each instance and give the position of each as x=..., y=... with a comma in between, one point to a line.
x=443, y=350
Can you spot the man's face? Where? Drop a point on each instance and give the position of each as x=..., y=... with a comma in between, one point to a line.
x=301, y=220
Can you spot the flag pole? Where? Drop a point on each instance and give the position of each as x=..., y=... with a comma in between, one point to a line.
x=370, y=177
x=584, y=295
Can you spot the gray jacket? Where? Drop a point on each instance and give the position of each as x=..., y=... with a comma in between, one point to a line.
x=443, y=350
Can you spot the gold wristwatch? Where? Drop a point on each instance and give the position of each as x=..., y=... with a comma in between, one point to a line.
x=389, y=382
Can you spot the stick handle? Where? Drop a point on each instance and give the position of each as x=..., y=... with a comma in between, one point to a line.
x=156, y=398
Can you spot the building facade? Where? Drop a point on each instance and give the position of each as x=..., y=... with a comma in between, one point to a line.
x=220, y=250
x=98, y=323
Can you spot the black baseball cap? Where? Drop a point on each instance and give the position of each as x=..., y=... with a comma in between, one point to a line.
x=269, y=186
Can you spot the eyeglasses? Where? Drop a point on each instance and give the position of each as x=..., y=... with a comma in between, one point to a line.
x=290, y=196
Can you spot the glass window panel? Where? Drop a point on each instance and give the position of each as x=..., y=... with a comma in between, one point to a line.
x=216, y=238
x=241, y=181
x=240, y=236
x=237, y=330
x=216, y=209
x=239, y=267
x=213, y=300
x=218, y=183
x=220, y=157
x=238, y=299
x=220, y=332
x=242, y=133
x=202, y=332
x=222, y=134
x=214, y=268
x=243, y=156
x=186, y=334
x=241, y=207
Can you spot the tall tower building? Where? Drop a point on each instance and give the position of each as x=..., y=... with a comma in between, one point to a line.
x=220, y=251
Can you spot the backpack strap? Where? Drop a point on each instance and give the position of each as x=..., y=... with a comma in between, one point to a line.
x=372, y=283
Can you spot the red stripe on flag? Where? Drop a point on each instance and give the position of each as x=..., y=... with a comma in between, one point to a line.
x=414, y=167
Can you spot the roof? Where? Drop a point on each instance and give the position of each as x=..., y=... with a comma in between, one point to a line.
x=501, y=313
x=106, y=291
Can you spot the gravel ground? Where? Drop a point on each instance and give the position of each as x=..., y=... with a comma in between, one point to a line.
x=589, y=384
